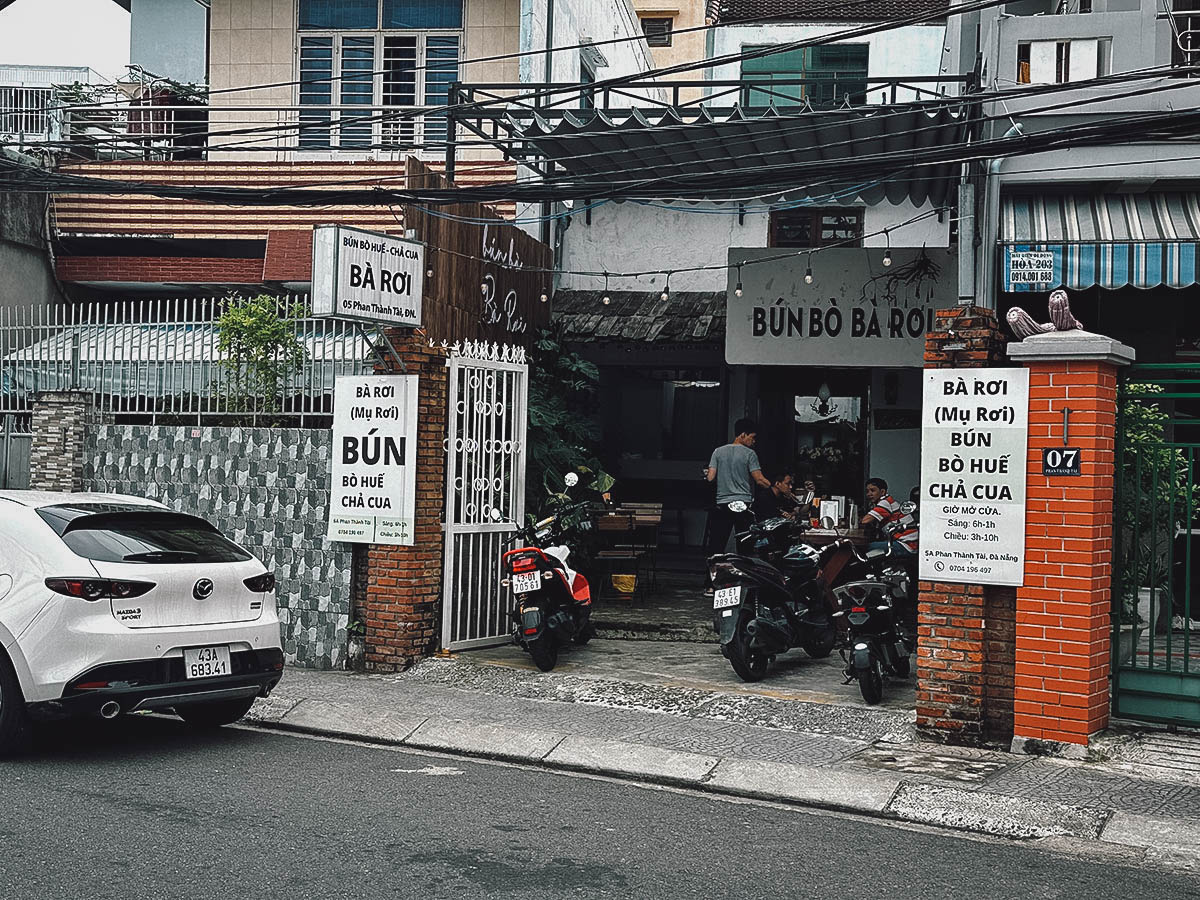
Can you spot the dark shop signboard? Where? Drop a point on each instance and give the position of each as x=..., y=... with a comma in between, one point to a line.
x=856, y=311
x=974, y=435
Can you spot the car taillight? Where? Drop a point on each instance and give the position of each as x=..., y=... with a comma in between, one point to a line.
x=261, y=584
x=92, y=589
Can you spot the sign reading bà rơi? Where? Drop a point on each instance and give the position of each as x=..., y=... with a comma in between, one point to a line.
x=974, y=433
x=855, y=312
x=374, y=474
x=367, y=275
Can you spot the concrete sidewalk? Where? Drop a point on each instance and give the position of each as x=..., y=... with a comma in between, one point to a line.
x=1144, y=794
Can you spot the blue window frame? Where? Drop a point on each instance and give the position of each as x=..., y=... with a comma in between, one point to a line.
x=422, y=13
x=339, y=14
x=316, y=90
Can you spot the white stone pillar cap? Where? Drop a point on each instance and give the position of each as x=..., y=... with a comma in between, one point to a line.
x=1076, y=345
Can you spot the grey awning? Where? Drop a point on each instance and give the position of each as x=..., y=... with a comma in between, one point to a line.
x=693, y=140
x=1110, y=240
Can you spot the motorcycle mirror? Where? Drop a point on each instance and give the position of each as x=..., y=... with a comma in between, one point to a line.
x=571, y=479
x=908, y=507
x=827, y=522
x=738, y=506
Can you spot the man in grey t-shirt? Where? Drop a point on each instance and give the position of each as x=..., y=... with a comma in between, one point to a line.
x=736, y=470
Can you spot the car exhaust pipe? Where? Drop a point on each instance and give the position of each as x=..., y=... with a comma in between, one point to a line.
x=110, y=710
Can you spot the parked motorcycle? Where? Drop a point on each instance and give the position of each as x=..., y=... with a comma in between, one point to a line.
x=880, y=614
x=553, y=602
x=764, y=607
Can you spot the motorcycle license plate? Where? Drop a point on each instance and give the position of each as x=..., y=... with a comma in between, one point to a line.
x=526, y=582
x=726, y=597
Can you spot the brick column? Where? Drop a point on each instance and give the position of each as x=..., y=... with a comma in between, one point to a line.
x=59, y=426
x=965, y=633
x=401, y=601
x=1063, y=609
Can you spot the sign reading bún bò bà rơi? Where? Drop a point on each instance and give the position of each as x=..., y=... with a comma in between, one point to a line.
x=974, y=434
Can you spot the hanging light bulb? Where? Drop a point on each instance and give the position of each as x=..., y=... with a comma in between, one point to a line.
x=808, y=275
x=544, y=297
x=666, y=293
x=606, y=299
x=429, y=272
x=483, y=287
x=887, y=257
x=737, y=291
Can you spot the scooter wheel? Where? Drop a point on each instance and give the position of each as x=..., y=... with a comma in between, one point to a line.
x=870, y=682
x=545, y=653
x=750, y=665
x=820, y=644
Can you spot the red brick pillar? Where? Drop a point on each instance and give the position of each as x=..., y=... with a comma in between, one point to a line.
x=400, y=605
x=965, y=632
x=1063, y=609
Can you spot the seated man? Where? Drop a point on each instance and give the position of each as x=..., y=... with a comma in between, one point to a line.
x=777, y=500
x=895, y=528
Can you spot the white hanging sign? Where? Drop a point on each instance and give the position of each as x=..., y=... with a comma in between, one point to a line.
x=367, y=275
x=974, y=435
x=372, y=497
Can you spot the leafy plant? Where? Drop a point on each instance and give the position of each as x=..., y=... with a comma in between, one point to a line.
x=562, y=433
x=1157, y=492
x=261, y=351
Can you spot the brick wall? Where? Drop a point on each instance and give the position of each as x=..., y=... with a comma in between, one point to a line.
x=402, y=603
x=1063, y=609
x=57, y=449
x=289, y=256
x=965, y=633
x=215, y=270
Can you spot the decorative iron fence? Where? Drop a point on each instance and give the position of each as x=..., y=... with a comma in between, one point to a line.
x=163, y=361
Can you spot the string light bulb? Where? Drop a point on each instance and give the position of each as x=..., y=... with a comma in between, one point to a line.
x=808, y=275
x=666, y=292
x=737, y=291
x=429, y=272
x=887, y=254
x=544, y=297
x=483, y=287
x=606, y=299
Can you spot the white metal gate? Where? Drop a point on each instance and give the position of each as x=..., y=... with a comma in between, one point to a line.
x=485, y=489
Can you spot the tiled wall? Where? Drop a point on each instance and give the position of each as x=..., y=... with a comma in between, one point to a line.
x=267, y=489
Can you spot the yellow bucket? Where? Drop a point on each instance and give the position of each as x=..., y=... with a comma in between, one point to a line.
x=625, y=584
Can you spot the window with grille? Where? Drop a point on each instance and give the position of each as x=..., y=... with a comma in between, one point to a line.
x=23, y=110
x=657, y=31
x=808, y=226
x=368, y=66
x=822, y=76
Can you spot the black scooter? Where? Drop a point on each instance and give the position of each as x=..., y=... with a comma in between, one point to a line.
x=763, y=608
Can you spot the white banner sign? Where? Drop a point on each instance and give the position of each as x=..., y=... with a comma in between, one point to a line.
x=374, y=473
x=974, y=433
x=367, y=275
x=1030, y=267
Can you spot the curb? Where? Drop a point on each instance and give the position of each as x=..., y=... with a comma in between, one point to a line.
x=877, y=796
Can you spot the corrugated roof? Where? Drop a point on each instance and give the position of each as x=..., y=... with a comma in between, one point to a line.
x=701, y=148
x=733, y=11
x=684, y=317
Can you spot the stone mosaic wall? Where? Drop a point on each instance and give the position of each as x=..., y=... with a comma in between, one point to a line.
x=267, y=489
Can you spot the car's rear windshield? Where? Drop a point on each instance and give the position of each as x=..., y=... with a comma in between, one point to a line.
x=140, y=536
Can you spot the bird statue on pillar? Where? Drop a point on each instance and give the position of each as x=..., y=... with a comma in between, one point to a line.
x=1061, y=318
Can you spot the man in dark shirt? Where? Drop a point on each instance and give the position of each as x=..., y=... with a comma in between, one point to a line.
x=777, y=500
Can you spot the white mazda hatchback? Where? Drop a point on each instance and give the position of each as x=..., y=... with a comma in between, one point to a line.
x=112, y=604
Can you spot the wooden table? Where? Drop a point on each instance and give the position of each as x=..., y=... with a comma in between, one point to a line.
x=817, y=539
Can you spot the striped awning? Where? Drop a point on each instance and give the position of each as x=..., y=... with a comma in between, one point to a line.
x=1111, y=240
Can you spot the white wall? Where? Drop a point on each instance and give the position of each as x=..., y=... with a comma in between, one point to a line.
x=631, y=237
x=168, y=38
x=574, y=22
x=911, y=50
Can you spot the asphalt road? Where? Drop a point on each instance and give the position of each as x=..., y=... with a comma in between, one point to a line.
x=145, y=808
